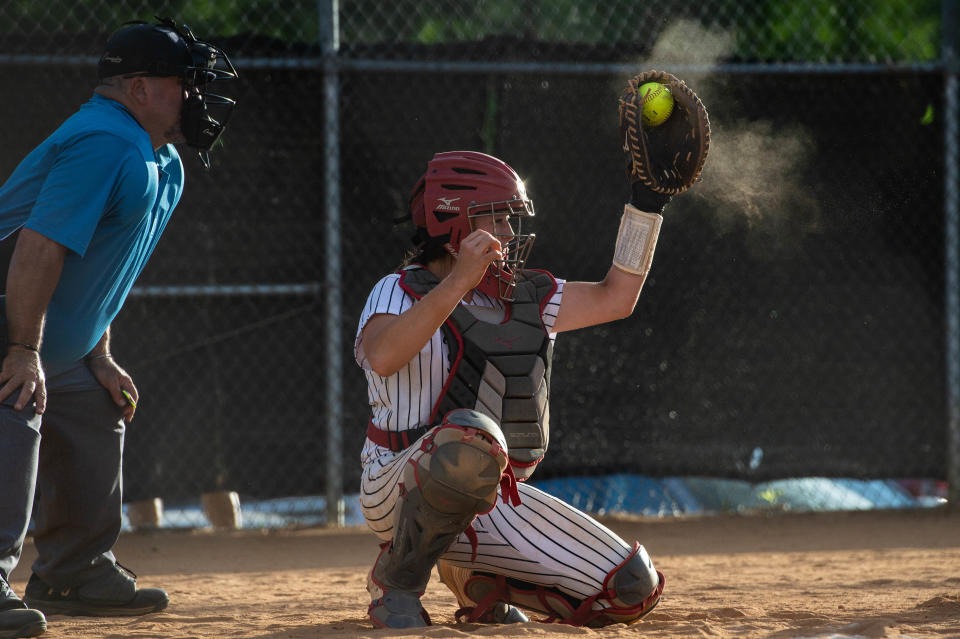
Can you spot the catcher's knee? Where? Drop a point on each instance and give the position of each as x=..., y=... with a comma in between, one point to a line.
x=631, y=590
x=462, y=463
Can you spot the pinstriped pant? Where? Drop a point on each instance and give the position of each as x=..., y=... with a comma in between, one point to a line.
x=543, y=541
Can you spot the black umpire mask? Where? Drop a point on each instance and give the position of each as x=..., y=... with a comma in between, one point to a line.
x=168, y=49
x=200, y=129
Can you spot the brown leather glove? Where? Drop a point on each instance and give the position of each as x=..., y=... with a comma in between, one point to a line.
x=664, y=160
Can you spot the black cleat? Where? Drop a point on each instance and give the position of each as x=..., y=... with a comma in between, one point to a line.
x=114, y=595
x=16, y=620
x=502, y=612
x=398, y=609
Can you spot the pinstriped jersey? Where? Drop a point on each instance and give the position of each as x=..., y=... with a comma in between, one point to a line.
x=405, y=399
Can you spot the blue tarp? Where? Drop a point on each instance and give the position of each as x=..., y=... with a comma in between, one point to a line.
x=616, y=494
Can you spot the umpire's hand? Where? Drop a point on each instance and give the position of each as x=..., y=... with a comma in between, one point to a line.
x=116, y=380
x=22, y=369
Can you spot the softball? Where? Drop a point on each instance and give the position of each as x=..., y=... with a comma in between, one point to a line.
x=657, y=103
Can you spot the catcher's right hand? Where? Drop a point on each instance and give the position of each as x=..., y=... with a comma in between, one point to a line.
x=667, y=159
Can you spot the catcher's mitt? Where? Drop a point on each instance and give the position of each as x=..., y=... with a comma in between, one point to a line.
x=666, y=159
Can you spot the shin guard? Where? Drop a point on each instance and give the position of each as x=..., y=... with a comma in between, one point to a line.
x=452, y=478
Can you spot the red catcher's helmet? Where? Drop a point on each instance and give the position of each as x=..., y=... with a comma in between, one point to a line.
x=461, y=186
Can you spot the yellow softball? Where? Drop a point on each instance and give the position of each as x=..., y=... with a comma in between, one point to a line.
x=657, y=103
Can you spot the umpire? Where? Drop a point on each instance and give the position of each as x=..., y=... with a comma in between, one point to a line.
x=91, y=202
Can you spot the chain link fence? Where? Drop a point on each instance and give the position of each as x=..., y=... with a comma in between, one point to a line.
x=793, y=325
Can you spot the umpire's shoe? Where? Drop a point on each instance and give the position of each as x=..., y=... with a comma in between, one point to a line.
x=16, y=620
x=113, y=595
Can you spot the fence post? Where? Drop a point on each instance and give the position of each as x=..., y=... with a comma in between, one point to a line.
x=328, y=16
x=951, y=67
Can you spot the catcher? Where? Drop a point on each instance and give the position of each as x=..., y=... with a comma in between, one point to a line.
x=457, y=347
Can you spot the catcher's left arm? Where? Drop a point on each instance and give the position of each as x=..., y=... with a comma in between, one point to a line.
x=662, y=161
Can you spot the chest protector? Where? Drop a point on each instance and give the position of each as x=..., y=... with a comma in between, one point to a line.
x=500, y=370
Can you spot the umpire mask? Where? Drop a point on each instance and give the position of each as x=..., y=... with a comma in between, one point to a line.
x=200, y=128
x=166, y=49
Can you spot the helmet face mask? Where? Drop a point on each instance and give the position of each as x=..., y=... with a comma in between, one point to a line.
x=464, y=190
x=504, y=220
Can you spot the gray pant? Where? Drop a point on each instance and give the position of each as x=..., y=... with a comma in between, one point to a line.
x=69, y=459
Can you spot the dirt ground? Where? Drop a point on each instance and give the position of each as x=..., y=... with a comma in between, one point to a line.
x=825, y=575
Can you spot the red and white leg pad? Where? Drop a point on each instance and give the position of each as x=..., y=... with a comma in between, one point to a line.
x=630, y=591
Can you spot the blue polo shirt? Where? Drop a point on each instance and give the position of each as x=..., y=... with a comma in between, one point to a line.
x=97, y=187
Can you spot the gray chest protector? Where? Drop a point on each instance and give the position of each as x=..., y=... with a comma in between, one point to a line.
x=500, y=370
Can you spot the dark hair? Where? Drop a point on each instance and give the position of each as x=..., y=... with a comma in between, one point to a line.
x=428, y=248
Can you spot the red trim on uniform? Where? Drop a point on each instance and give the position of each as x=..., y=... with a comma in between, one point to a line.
x=384, y=547
x=633, y=551
x=453, y=370
x=471, y=534
x=524, y=465
x=427, y=441
x=584, y=614
x=543, y=304
x=542, y=594
x=394, y=440
x=499, y=592
x=399, y=441
x=546, y=300
x=508, y=487
x=456, y=362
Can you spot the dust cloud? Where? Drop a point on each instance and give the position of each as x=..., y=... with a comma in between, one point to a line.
x=754, y=166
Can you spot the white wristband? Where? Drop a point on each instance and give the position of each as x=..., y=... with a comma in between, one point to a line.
x=636, y=240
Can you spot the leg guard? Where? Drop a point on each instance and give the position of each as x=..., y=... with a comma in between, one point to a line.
x=453, y=477
x=631, y=590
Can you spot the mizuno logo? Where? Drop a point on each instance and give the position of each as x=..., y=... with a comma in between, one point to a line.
x=113, y=58
x=506, y=342
x=446, y=204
